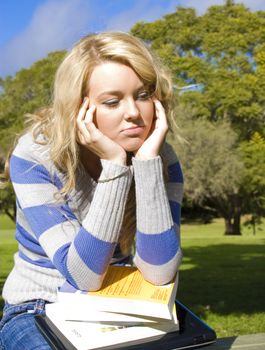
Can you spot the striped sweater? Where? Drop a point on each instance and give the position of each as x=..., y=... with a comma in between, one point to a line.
x=77, y=237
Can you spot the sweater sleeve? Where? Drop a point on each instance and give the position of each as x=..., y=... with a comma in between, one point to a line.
x=80, y=251
x=158, y=200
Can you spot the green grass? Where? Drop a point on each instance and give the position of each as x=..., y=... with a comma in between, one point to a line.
x=222, y=277
x=6, y=223
x=8, y=246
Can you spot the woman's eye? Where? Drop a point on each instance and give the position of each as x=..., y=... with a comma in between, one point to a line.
x=111, y=103
x=144, y=95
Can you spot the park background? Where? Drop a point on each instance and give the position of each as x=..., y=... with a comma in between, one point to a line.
x=217, y=58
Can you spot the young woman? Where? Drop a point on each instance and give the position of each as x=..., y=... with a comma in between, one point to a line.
x=92, y=176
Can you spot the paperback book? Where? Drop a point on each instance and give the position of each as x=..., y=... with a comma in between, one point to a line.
x=124, y=290
x=105, y=330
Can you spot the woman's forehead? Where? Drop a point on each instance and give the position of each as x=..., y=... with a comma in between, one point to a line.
x=113, y=76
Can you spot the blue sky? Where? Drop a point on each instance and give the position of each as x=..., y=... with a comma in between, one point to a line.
x=29, y=29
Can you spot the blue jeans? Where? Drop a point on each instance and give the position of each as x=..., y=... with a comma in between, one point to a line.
x=17, y=327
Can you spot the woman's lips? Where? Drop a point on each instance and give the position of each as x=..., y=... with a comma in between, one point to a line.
x=133, y=131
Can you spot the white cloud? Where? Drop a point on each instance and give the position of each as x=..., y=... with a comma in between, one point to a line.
x=54, y=26
x=147, y=10
x=144, y=10
x=57, y=24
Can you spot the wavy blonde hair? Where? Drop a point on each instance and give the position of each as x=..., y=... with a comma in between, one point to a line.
x=57, y=123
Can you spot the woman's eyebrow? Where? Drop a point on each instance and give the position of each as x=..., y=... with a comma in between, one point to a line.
x=111, y=92
x=118, y=92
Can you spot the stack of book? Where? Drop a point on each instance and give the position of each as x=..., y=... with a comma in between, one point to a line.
x=126, y=310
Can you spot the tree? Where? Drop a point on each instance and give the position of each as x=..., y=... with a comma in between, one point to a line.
x=8, y=202
x=212, y=166
x=253, y=153
x=224, y=50
x=27, y=91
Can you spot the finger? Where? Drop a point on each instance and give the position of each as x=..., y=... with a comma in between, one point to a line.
x=161, y=118
x=80, y=138
x=158, y=106
x=83, y=133
x=84, y=114
x=160, y=111
x=91, y=127
x=83, y=109
x=90, y=114
x=84, y=118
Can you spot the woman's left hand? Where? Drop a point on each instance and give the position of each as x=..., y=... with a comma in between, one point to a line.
x=152, y=145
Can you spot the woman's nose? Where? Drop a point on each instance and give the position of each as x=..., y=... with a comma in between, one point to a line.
x=131, y=110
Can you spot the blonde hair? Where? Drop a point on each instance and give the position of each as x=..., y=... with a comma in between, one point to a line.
x=57, y=123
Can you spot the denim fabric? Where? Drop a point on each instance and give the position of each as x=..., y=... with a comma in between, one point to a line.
x=17, y=327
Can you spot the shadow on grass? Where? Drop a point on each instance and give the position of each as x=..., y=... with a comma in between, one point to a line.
x=224, y=279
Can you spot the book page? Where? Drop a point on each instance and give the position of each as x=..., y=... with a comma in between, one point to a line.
x=94, y=335
x=127, y=282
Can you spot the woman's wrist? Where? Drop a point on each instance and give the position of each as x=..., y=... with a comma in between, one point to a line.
x=143, y=156
x=112, y=170
x=122, y=161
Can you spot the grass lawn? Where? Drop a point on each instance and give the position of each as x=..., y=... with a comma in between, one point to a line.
x=7, y=248
x=222, y=277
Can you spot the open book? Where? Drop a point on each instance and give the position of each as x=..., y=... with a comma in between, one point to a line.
x=124, y=290
x=105, y=330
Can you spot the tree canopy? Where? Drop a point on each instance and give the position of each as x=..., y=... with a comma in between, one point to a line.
x=224, y=51
x=27, y=91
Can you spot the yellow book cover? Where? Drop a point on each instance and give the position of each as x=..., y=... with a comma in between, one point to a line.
x=124, y=290
x=127, y=282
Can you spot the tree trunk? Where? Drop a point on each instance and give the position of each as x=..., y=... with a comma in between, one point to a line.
x=232, y=224
x=254, y=227
x=12, y=215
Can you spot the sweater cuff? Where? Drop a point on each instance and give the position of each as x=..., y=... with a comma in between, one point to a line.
x=112, y=171
x=153, y=210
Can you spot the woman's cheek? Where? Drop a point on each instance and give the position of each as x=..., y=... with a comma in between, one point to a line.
x=100, y=118
x=106, y=123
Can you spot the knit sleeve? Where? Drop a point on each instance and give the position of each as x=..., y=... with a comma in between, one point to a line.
x=158, y=201
x=81, y=251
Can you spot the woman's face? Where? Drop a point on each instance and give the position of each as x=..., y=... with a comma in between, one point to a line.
x=124, y=107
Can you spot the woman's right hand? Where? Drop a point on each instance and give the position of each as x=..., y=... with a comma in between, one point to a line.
x=93, y=139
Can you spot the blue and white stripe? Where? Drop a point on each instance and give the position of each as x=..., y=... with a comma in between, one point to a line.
x=52, y=236
x=74, y=238
x=158, y=252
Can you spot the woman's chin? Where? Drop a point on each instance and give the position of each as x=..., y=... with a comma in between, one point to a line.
x=132, y=145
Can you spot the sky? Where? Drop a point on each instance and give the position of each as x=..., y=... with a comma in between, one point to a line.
x=30, y=29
